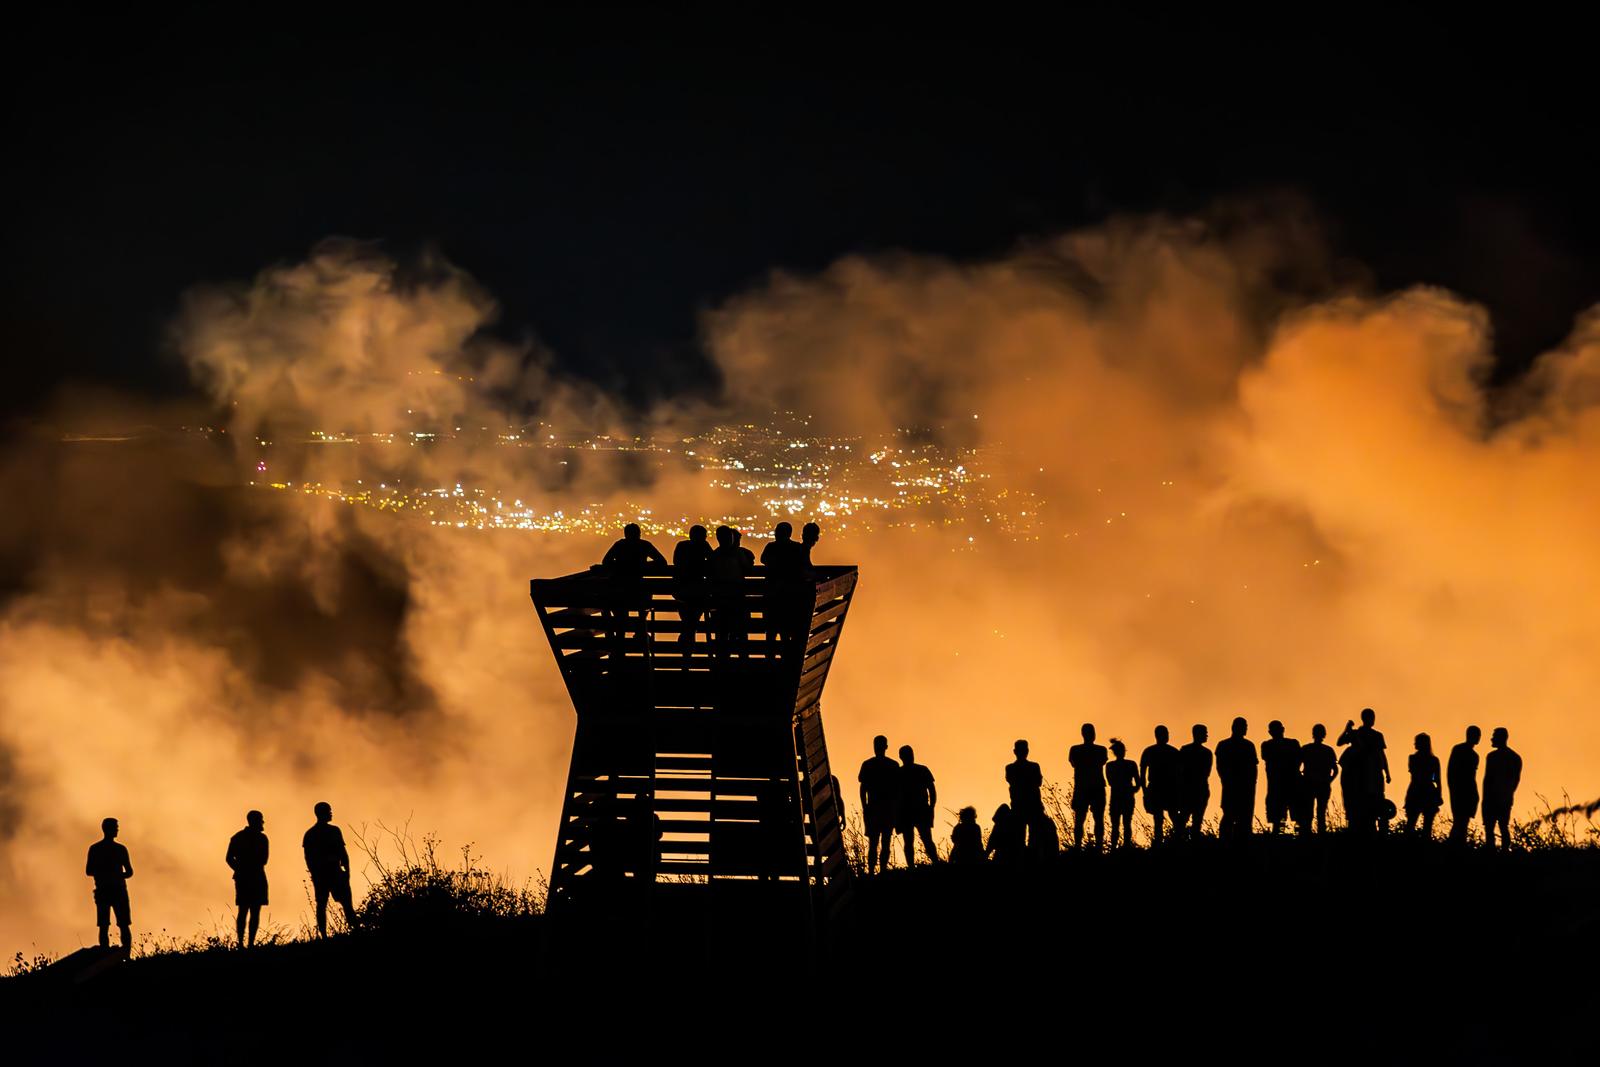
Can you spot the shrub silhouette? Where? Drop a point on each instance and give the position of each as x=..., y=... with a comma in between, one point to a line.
x=411, y=890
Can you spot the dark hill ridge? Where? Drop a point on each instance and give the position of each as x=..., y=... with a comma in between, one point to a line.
x=1278, y=951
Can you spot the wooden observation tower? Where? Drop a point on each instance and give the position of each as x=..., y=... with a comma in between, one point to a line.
x=699, y=768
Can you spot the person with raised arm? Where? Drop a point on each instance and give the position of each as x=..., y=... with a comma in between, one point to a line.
x=1366, y=770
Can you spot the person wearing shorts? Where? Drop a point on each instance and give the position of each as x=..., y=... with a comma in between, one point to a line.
x=111, y=868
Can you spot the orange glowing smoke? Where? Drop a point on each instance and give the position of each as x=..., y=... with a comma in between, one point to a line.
x=1256, y=503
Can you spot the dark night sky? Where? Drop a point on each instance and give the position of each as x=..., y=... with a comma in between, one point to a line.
x=606, y=192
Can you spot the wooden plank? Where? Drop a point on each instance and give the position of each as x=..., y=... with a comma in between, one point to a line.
x=817, y=673
x=828, y=615
x=818, y=658
x=822, y=636
x=810, y=692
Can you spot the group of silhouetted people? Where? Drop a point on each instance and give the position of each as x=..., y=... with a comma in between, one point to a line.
x=708, y=582
x=327, y=862
x=896, y=798
x=1176, y=787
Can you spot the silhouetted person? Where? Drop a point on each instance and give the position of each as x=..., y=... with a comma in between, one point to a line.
x=111, y=868
x=1461, y=774
x=329, y=866
x=1356, y=803
x=1194, y=768
x=691, y=577
x=1237, y=769
x=809, y=536
x=1044, y=841
x=784, y=561
x=1159, y=778
x=633, y=557
x=917, y=800
x=729, y=566
x=880, y=793
x=1366, y=772
x=1122, y=775
x=1088, y=762
x=626, y=564
x=1024, y=779
x=966, y=839
x=783, y=556
x=1502, y=773
x=1280, y=756
x=1423, y=797
x=747, y=557
x=247, y=858
x=1005, y=837
x=1318, y=768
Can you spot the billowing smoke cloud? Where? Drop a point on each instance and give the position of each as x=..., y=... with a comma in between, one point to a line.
x=1263, y=492
x=1256, y=502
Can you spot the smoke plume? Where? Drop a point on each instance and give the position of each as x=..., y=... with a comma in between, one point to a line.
x=1262, y=490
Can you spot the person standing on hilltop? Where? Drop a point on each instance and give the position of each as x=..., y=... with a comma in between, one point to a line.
x=1122, y=774
x=1422, y=794
x=880, y=793
x=691, y=571
x=966, y=839
x=1318, y=768
x=329, y=865
x=1005, y=838
x=1024, y=780
x=247, y=858
x=111, y=868
x=1195, y=769
x=918, y=798
x=1366, y=773
x=1461, y=775
x=1281, y=757
x=1502, y=773
x=1159, y=778
x=1088, y=762
x=1237, y=768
